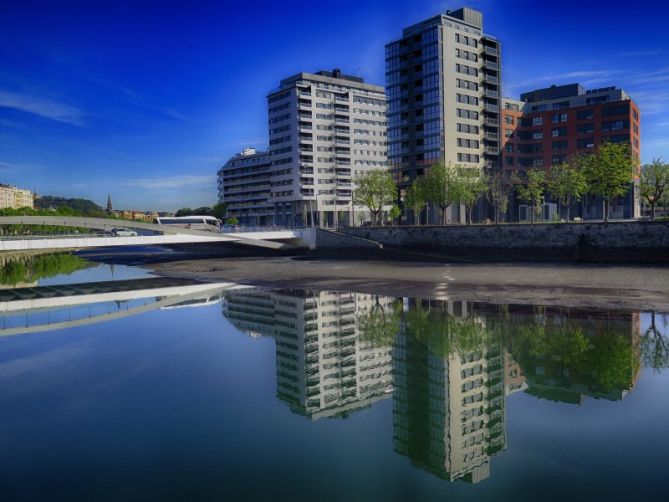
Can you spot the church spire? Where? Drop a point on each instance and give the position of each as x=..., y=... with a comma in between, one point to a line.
x=110, y=209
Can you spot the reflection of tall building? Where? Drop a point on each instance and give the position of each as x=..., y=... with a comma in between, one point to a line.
x=448, y=406
x=325, y=367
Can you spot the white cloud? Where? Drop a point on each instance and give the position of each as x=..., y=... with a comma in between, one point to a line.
x=43, y=107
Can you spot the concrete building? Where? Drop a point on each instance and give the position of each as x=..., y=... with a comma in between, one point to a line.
x=443, y=84
x=324, y=128
x=12, y=197
x=244, y=186
x=325, y=366
x=551, y=126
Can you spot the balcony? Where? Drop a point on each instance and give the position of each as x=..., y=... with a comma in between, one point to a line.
x=491, y=94
x=491, y=121
x=491, y=135
x=491, y=66
x=491, y=150
x=491, y=108
x=490, y=50
x=492, y=80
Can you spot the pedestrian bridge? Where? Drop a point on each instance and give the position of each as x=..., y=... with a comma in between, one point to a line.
x=49, y=308
x=149, y=234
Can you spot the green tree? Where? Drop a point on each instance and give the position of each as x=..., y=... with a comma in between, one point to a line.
x=468, y=186
x=566, y=183
x=374, y=190
x=379, y=325
x=394, y=213
x=219, y=210
x=500, y=186
x=440, y=187
x=232, y=220
x=415, y=198
x=608, y=172
x=654, y=184
x=531, y=190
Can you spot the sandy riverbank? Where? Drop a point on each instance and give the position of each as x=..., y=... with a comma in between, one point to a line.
x=620, y=287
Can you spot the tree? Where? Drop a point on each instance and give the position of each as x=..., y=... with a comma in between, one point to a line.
x=374, y=189
x=415, y=198
x=608, y=172
x=219, y=210
x=566, y=183
x=468, y=186
x=532, y=191
x=394, y=213
x=439, y=184
x=232, y=220
x=654, y=184
x=500, y=186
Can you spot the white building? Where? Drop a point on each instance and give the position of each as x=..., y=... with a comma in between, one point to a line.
x=14, y=198
x=324, y=128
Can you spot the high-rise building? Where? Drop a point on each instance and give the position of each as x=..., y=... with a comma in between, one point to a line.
x=15, y=198
x=550, y=126
x=443, y=86
x=324, y=128
x=244, y=186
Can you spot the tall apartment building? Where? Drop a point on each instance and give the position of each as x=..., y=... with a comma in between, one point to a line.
x=550, y=126
x=244, y=186
x=324, y=128
x=324, y=366
x=444, y=86
x=15, y=198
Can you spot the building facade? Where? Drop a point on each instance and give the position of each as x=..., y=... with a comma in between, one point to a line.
x=244, y=185
x=324, y=128
x=551, y=126
x=12, y=197
x=444, y=86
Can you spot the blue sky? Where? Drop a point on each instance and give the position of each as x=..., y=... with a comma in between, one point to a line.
x=146, y=100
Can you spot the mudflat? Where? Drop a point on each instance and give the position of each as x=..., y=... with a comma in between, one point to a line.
x=570, y=285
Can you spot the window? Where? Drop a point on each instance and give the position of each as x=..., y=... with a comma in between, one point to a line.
x=615, y=110
x=468, y=157
x=537, y=135
x=558, y=159
x=615, y=125
x=585, y=143
x=468, y=143
x=467, y=99
x=560, y=145
x=508, y=147
x=508, y=120
x=471, y=129
x=537, y=120
x=585, y=128
x=559, y=131
x=559, y=117
x=584, y=115
x=508, y=161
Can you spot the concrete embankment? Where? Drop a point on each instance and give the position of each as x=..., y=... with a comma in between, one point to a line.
x=615, y=242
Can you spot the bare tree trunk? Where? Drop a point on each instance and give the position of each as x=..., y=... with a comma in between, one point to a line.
x=652, y=208
x=606, y=211
x=443, y=215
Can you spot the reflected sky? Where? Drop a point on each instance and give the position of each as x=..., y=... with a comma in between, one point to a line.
x=334, y=395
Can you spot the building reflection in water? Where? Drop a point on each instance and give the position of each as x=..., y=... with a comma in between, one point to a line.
x=448, y=365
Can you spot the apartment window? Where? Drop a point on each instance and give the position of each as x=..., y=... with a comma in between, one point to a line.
x=561, y=104
x=466, y=70
x=536, y=121
x=508, y=120
x=615, y=125
x=468, y=143
x=585, y=115
x=468, y=157
x=537, y=135
x=467, y=84
x=508, y=147
x=585, y=143
x=585, y=128
x=537, y=162
x=508, y=161
x=615, y=110
x=558, y=159
x=559, y=117
x=559, y=131
x=526, y=122
x=468, y=128
x=560, y=145
x=508, y=133
x=467, y=99
x=468, y=114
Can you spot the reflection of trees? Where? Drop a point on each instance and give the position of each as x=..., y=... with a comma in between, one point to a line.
x=655, y=346
x=32, y=268
x=380, y=324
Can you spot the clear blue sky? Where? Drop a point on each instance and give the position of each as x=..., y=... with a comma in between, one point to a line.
x=147, y=100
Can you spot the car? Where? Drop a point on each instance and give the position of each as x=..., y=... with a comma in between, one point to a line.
x=123, y=232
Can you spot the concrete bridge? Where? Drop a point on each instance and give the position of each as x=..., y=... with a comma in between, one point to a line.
x=150, y=234
x=33, y=310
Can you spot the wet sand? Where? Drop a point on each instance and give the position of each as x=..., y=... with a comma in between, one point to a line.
x=619, y=287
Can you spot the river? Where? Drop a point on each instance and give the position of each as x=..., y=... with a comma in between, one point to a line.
x=120, y=385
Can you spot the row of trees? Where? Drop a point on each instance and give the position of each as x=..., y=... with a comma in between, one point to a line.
x=608, y=174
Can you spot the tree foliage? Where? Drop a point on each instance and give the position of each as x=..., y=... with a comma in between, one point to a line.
x=415, y=198
x=608, y=172
x=439, y=187
x=468, y=186
x=654, y=184
x=374, y=190
x=500, y=186
x=531, y=190
x=78, y=207
x=567, y=184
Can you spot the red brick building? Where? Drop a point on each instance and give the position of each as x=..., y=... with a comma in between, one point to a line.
x=553, y=125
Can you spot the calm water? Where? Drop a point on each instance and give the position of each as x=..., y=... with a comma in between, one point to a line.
x=164, y=390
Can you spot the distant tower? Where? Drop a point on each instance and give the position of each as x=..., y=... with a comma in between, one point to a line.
x=110, y=209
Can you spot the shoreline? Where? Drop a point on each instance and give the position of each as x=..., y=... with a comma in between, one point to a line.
x=621, y=287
